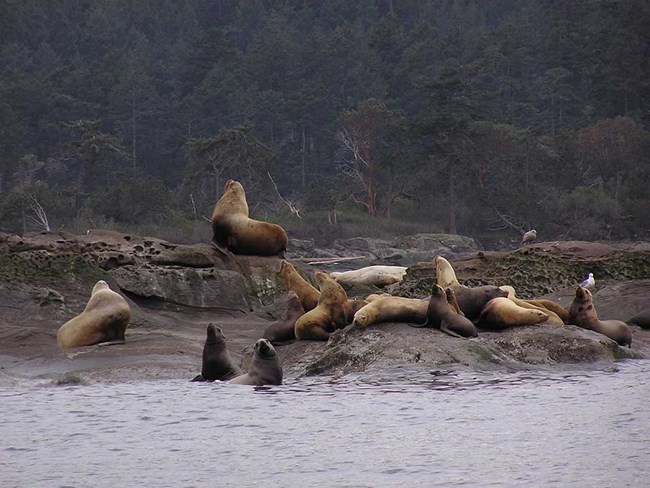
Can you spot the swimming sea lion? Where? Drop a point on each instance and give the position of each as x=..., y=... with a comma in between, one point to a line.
x=292, y=280
x=265, y=367
x=583, y=314
x=391, y=309
x=501, y=312
x=371, y=275
x=442, y=315
x=235, y=232
x=217, y=363
x=282, y=331
x=472, y=300
x=445, y=274
x=104, y=319
x=330, y=314
x=642, y=319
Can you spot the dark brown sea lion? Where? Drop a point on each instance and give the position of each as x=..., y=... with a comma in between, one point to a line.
x=265, y=367
x=330, y=314
x=293, y=281
x=442, y=315
x=391, y=309
x=642, y=319
x=472, y=300
x=583, y=314
x=104, y=320
x=501, y=313
x=217, y=363
x=282, y=331
x=233, y=231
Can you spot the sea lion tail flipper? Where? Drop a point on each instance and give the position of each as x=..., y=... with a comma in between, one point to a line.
x=198, y=377
x=445, y=328
x=418, y=326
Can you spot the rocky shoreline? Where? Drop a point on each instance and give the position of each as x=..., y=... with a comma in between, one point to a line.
x=176, y=290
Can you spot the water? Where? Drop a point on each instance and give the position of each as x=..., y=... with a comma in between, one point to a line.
x=404, y=427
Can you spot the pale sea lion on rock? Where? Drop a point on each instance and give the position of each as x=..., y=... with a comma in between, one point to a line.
x=501, y=313
x=293, y=281
x=558, y=315
x=331, y=313
x=233, y=231
x=104, y=319
x=642, y=319
x=441, y=314
x=282, y=331
x=472, y=300
x=583, y=314
x=445, y=274
x=371, y=275
x=217, y=363
x=392, y=309
x=265, y=368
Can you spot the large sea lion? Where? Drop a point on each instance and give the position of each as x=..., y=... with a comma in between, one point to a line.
x=558, y=315
x=217, y=363
x=233, y=231
x=293, y=281
x=104, y=319
x=445, y=274
x=282, y=331
x=331, y=313
x=265, y=367
x=391, y=309
x=442, y=314
x=642, y=319
x=472, y=300
x=583, y=314
x=371, y=275
x=501, y=312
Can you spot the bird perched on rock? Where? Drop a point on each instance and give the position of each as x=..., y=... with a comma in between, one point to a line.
x=529, y=236
x=589, y=283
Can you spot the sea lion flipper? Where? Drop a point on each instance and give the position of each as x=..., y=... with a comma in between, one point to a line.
x=418, y=326
x=445, y=328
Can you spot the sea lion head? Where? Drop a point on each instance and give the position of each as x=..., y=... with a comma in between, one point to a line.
x=583, y=300
x=510, y=290
x=362, y=317
x=100, y=285
x=264, y=349
x=438, y=291
x=215, y=335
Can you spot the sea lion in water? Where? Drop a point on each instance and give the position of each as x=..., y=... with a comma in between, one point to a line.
x=371, y=275
x=265, y=367
x=441, y=314
x=331, y=313
x=642, y=319
x=105, y=319
x=233, y=231
x=501, y=312
x=217, y=363
x=282, y=331
x=293, y=281
x=391, y=309
x=583, y=314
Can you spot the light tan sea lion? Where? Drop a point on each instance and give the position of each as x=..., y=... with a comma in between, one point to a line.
x=233, y=231
x=282, y=331
x=583, y=314
x=371, y=275
x=558, y=314
x=265, y=368
x=330, y=314
x=104, y=319
x=442, y=315
x=216, y=361
x=293, y=281
x=500, y=313
x=445, y=274
x=392, y=309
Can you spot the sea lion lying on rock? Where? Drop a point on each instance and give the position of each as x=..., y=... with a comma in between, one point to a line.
x=217, y=363
x=442, y=313
x=642, y=319
x=371, y=275
x=501, y=313
x=282, y=331
x=265, y=368
x=391, y=309
x=583, y=314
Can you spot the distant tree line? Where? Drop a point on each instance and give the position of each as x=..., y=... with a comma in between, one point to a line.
x=467, y=116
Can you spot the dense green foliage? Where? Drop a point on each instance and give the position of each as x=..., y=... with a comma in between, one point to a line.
x=469, y=116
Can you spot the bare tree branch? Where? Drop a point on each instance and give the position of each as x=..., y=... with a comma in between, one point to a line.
x=291, y=206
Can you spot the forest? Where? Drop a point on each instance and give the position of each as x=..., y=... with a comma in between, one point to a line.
x=340, y=118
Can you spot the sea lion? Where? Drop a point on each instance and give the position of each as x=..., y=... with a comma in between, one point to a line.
x=104, y=319
x=330, y=314
x=292, y=280
x=233, y=231
x=282, y=331
x=391, y=309
x=442, y=315
x=472, y=300
x=371, y=275
x=265, y=367
x=501, y=312
x=445, y=274
x=451, y=300
x=642, y=319
x=217, y=363
x=558, y=314
x=583, y=314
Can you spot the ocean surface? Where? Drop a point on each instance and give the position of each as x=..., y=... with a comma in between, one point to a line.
x=404, y=427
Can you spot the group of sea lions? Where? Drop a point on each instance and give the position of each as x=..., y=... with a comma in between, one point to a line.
x=315, y=312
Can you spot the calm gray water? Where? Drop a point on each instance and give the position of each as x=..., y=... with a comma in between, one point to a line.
x=404, y=427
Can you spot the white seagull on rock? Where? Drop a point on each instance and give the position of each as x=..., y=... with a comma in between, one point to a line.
x=529, y=236
x=589, y=283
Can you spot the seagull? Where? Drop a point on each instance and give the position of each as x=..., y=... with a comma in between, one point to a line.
x=589, y=283
x=529, y=236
